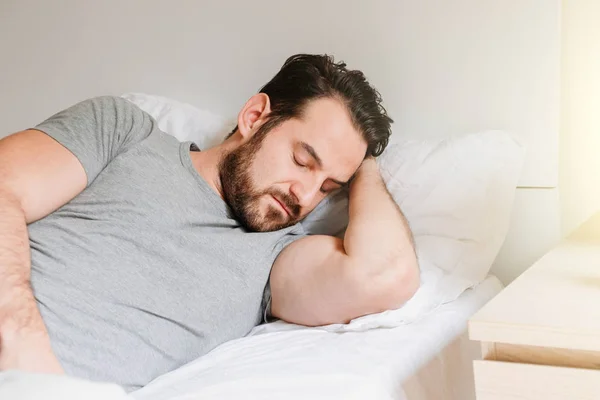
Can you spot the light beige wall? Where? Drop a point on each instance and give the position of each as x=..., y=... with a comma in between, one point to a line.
x=443, y=67
x=580, y=112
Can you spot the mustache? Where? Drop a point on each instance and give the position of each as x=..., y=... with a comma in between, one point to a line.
x=288, y=200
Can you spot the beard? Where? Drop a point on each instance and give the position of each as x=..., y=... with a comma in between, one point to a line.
x=242, y=196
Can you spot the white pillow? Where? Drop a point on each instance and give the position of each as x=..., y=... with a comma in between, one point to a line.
x=184, y=121
x=457, y=194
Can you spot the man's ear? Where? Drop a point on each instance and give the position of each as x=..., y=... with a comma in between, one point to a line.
x=253, y=114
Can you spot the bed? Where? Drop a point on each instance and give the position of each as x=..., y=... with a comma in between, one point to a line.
x=426, y=359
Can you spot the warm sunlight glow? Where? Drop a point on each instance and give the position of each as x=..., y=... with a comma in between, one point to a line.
x=580, y=116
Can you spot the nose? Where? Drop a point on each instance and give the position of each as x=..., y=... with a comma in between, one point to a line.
x=305, y=191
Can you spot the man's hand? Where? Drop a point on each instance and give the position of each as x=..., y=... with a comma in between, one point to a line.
x=24, y=341
x=368, y=166
x=30, y=352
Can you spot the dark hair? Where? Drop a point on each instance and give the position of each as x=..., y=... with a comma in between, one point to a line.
x=306, y=77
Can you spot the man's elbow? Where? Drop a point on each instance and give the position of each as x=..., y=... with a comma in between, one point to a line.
x=409, y=280
x=395, y=284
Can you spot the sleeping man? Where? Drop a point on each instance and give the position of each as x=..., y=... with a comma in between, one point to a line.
x=125, y=254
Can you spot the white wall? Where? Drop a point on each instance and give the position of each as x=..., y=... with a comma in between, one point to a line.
x=580, y=113
x=443, y=67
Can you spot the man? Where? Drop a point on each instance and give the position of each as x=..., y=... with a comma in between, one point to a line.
x=125, y=254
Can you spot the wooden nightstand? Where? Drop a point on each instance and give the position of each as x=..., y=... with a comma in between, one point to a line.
x=540, y=336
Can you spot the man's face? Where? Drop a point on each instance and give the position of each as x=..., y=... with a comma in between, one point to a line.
x=276, y=178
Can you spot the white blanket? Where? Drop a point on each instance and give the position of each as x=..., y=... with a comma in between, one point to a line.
x=15, y=385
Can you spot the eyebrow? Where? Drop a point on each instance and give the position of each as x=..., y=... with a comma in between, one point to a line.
x=310, y=150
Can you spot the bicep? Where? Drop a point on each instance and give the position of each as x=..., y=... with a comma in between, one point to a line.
x=41, y=173
x=313, y=283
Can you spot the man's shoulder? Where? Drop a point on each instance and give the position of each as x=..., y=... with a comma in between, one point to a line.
x=288, y=236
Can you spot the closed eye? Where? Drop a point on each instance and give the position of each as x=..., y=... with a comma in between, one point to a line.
x=298, y=163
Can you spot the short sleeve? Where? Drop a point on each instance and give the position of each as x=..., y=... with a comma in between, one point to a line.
x=97, y=130
x=297, y=232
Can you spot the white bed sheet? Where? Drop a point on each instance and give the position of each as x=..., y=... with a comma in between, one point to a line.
x=284, y=361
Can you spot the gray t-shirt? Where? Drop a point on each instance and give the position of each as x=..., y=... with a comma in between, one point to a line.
x=146, y=269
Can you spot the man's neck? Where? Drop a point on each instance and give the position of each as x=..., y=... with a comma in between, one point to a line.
x=207, y=164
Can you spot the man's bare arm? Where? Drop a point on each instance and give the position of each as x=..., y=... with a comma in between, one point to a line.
x=321, y=279
x=37, y=176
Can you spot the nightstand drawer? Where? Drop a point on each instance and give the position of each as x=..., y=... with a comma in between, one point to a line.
x=495, y=380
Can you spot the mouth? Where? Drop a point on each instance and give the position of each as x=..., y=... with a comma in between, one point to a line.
x=283, y=206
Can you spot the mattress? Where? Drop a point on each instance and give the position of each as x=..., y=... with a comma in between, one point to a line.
x=279, y=360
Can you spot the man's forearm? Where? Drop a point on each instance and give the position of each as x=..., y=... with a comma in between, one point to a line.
x=18, y=309
x=378, y=235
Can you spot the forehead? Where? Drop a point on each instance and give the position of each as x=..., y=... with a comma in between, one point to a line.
x=326, y=126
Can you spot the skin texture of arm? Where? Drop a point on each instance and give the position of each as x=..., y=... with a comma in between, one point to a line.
x=37, y=176
x=321, y=280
